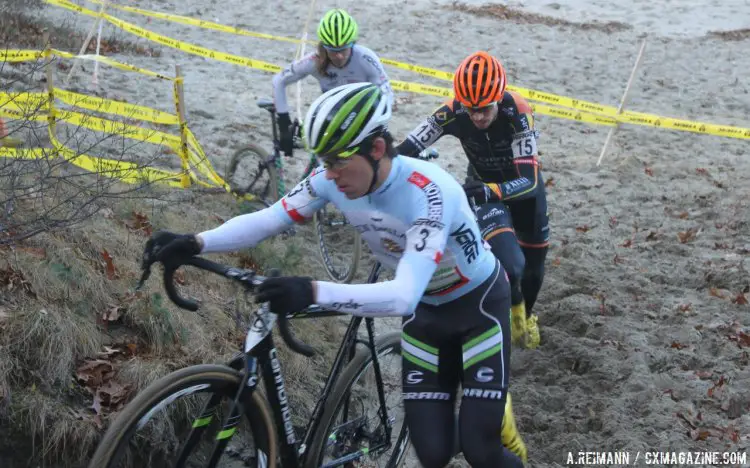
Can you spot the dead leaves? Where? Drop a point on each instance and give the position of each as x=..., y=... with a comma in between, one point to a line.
x=697, y=431
x=584, y=228
x=678, y=345
x=109, y=265
x=14, y=280
x=111, y=314
x=740, y=299
x=97, y=376
x=140, y=224
x=717, y=389
x=687, y=236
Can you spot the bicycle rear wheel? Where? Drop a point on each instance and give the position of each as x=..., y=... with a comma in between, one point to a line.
x=340, y=244
x=191, y=404
x=352, y=433
x=252, y=170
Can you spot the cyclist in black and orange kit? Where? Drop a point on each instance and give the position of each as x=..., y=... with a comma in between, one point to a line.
x=496, y=130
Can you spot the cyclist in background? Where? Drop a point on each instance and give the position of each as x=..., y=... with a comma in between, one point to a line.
x=496, y=130
x=337, y=61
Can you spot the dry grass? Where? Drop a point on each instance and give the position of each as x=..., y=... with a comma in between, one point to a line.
x=51, y=322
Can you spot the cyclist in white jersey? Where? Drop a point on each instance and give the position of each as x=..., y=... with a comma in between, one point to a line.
x=338, y=61
x=449, y=288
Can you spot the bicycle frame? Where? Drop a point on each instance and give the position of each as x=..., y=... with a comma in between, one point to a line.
x=261, y=356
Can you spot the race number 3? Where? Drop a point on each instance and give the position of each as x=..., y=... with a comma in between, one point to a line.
x=524, y=145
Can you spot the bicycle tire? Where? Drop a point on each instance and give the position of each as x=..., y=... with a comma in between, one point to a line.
x=257, y=411
x=337, y=276
x=271, y=193
x=388, y=343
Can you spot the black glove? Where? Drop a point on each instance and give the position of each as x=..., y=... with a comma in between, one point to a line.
x=286, y=138
x=287, y=295
x=478, y=191
x=168, y=247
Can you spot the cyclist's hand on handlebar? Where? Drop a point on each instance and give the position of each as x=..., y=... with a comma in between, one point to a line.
x=477, y=190
x=286, y=136
x=168, y=247
x=287, y=294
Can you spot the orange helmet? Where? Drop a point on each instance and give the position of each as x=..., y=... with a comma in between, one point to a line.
x=479, y=80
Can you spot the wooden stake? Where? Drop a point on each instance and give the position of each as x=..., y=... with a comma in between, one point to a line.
x=89, y=36
x=179, y=98
x=622, y=102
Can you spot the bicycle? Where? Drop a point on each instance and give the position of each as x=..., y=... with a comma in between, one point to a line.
x=232, y=392
x=266, y=181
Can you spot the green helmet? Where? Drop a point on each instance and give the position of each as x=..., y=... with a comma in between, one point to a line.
x=342, y=118
x=337, y=29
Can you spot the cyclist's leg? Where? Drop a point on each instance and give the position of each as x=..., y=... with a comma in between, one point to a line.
x=497, y=229
x=486, y=364
x=430, y=373
x=532, y=227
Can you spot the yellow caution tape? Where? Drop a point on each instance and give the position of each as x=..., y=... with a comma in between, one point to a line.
x=16, y=111
x=19, y=55
x=25, y=153
x=538, y=108
x=419, y=69
x=174, y=43
x=124, y=171
x=585, y=108
x=199, y=159
x=200, y=23
x=684, y=125
x=108, y=106
x=112, y=63
x=192, y=48
x=30, y=99
x=118, y=128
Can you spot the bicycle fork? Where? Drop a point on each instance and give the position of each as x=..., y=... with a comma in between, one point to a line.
x=229, y=425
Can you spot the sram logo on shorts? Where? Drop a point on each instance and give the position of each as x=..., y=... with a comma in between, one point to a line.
x=427, y=396
x=483, y=393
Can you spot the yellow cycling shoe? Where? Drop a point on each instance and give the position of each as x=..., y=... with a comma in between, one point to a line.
x=532, y=332
x=511, y=438
x=518, y=324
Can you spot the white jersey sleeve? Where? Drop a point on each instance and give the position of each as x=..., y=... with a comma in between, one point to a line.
x=374, y=71
x=248, y=230
x=291, y=74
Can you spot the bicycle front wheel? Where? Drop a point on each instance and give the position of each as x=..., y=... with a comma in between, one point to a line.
x=340, y=244
x=180, y=417
x=253, y=171
x=352, y=430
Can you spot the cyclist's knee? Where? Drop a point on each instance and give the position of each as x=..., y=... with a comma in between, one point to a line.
x=431, y=426
x=481, y=425
x=432, y=455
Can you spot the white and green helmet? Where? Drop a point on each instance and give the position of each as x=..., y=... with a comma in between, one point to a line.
x=342, y=118
x=337, y=29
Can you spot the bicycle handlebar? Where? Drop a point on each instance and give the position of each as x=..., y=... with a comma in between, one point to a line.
x=247, y=277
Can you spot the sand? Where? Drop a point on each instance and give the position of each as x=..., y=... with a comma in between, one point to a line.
x=638, y=327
